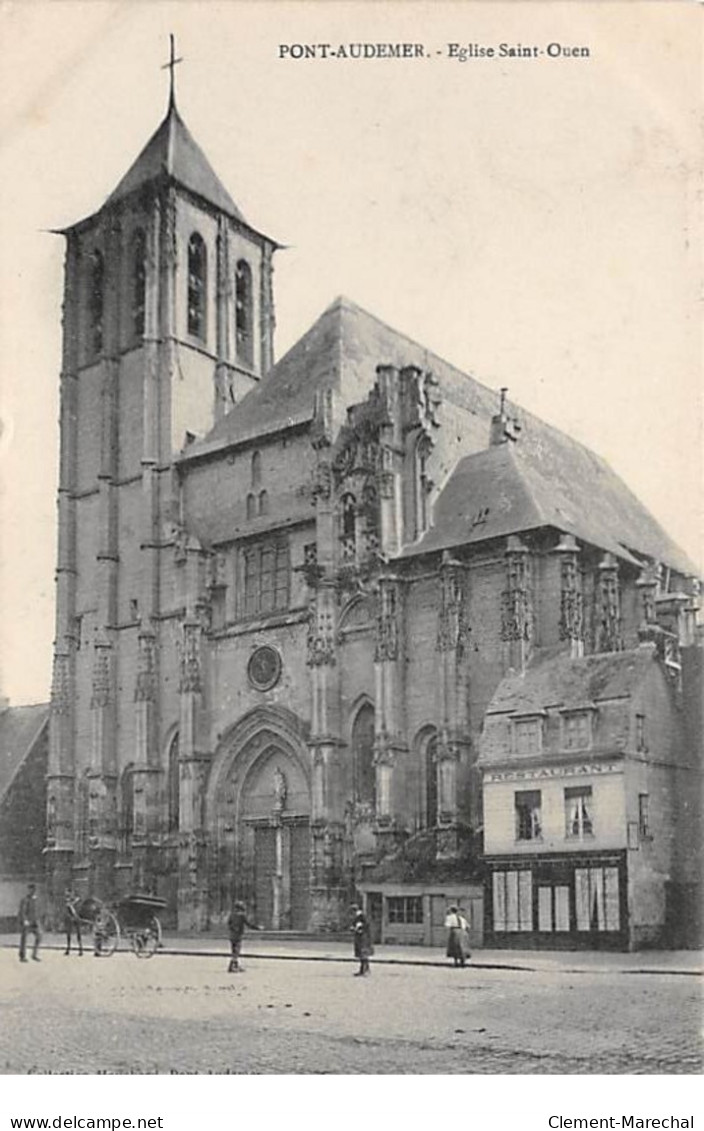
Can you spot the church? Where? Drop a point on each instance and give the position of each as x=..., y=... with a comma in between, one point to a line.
x=347, y=624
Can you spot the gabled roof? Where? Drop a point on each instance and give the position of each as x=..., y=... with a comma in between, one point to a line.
x=172, y=151
x=544, y=478
x=20, y=727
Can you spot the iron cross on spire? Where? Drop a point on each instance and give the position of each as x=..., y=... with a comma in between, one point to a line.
x=172, y=63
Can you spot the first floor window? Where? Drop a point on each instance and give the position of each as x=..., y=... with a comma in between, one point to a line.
x=513, y=900
x=578, y=812
x=596, y=894
x=528, y=822
x=405, y=908
x=266, y=578
x=643, y=815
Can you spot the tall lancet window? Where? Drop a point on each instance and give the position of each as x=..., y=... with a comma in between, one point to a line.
x=197, y=286
x=244, y=313
x=363, y=769
x=173, y=785
x=96, y=301
x=139, y=282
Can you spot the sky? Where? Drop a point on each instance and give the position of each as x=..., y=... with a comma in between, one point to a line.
x=533, y=220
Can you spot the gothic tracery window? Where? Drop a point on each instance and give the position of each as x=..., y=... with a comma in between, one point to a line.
x=364, y=771
x=197, y=286
x=244, y=337
x=173, y=795
x=139, y=282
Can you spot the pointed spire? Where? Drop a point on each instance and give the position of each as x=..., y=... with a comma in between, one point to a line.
x=171, y=66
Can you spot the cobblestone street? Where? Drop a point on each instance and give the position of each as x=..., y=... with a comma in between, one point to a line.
x=185, y=1014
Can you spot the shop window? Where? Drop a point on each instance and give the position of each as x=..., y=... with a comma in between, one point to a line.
x=96, y=301
x=528, y=736
x=554, y=908
x=404, y=909
x=266, y=577
x=578, y=813
x=139, y=282
x=577, y=730
x=197, y=286
x=512, y=899
x=528, y=818
x=644, y=816
x=173, y=786
x=596, y=892
x=364, y=771
x=244, y=313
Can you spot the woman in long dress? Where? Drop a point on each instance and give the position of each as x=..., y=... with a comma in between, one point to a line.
x=457, y=936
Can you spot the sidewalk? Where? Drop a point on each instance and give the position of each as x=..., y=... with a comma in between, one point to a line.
x=307, y=949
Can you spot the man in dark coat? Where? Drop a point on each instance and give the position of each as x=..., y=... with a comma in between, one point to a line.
x=362, y=938
x=236, y=922
x=72, y=921
x=29, y=923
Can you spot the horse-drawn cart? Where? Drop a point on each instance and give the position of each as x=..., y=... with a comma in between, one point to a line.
x=134, y=916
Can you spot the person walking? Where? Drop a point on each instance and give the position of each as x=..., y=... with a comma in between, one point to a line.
x=29, y=923
x=362, y=939
x=236, y=922
x=72, y=921
x=458, y=936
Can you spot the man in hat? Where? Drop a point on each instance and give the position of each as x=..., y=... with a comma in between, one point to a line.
x=362, y=940
x=236, y=922
x=72, y=920
x=29, y=923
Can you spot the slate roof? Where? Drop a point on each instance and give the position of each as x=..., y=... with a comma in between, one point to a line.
x=173, y=151
x=545, y=478
x=563, y=683
x=20, y=728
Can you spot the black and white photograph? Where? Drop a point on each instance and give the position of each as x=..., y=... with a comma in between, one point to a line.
x=351, y=673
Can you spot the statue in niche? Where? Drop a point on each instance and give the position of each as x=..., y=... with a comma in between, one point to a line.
x=280, y=789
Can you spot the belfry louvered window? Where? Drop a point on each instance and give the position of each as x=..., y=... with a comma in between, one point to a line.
x=96, y=302
x=244, y=313
x=139, y=282
x=197, y=286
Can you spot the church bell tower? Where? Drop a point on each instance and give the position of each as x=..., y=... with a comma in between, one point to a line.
x=168, y=320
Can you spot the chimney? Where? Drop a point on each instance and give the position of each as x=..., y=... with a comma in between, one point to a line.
x=503, y=426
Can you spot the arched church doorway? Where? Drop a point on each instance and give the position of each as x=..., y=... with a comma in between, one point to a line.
x=259, y=804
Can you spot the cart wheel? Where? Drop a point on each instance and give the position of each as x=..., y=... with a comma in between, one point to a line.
x=146, y=941
x=106, y=934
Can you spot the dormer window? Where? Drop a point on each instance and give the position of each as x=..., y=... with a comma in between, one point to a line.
x=244, y=313
x=528, y=735
x=139, y=282
x=96, y=301
x=577, y=730
x=197, y=286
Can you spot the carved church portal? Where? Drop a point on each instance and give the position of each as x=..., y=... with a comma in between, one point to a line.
x=263, y=820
